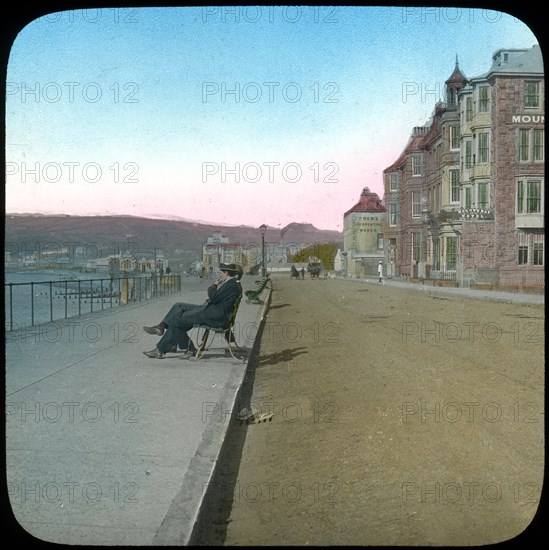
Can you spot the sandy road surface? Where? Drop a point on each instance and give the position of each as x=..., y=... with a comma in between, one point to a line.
x=400, y=418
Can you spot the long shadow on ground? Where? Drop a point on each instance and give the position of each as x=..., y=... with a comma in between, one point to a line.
x=281, y=356
x=211, y=526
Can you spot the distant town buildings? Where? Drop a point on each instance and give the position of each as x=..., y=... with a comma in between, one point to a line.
x=141, y=262
x=217, y=250
x=87, y=259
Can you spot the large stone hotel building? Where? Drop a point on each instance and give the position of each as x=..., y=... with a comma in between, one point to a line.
x=465, y=199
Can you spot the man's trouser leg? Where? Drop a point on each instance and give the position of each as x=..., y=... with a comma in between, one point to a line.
x=176, y=311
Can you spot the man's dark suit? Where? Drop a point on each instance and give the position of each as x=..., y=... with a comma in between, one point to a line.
x=215, y=312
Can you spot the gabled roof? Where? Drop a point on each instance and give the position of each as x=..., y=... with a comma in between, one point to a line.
x=413, y=145
x=433, y=133
x=369, y=202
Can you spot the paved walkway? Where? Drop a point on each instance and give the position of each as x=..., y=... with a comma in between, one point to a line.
x=480, y=294
x=105, y=446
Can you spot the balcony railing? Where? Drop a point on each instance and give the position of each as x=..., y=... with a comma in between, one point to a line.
x=443, y=274
x=29, y=304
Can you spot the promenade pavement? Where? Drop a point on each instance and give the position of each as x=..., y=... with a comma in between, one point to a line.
x=479, y=294
x=105, y=446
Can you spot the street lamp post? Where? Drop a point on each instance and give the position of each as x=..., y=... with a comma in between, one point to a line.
x=263, y=229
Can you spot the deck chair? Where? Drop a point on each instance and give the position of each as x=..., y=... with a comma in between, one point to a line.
x=253, y=295
x=226, y=331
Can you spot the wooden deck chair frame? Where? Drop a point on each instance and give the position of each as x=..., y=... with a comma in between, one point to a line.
x=227, y=332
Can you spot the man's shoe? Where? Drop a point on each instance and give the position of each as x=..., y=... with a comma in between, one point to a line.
x=188, y=354
x=154, y=354
x=175, y=349
x=157, y=329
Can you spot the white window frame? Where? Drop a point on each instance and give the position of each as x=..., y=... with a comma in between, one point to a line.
x=451, y=252
x=468, y=109
x=532, y=142
x=484, y=100
x=416, y=165
x=416, y=246
x=522, y=254
x=483, y=185
x=536, y=96
x=392, y=214
x=393, y=181
x=453, y=176
x=524, y=201
x=416, y=204
x=480, y=159
x=536, y=260
x=453, y=132
x=468, y=154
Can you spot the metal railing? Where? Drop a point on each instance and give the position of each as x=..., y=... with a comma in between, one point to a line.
x=446, y=275
x=40, y=302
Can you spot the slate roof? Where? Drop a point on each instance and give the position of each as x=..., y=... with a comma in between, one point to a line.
x=457, y=78
x=528, y=61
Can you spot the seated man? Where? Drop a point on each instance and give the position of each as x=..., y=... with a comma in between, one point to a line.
x=181, y=318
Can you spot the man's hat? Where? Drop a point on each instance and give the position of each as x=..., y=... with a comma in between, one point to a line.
x=232, y=269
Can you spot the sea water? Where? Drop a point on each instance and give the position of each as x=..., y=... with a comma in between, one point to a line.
x=58, y=294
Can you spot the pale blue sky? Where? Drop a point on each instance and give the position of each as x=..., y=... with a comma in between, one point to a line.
x=122, y=111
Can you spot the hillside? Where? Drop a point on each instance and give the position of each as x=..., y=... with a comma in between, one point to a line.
x=111, y=233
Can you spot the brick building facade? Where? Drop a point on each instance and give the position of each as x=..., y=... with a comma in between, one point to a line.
x=465, y=198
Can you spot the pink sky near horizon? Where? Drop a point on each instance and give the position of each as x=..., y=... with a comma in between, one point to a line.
x=135, y=134
x=261, y=203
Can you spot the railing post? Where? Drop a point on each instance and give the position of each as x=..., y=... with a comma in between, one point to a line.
x=11, y=306
x=51, y=302
x=79, y=298
x=91, y=295
x=66, y=297
x=32, y=304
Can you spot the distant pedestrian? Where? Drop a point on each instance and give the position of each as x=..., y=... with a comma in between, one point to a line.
x=302, y=273
x=380, y=271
